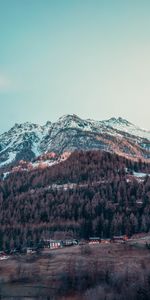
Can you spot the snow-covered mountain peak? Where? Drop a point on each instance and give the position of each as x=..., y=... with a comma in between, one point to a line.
x=128, y=127
x=48, y=124
x=72, y=121
x=25, y=127
x=69, y=120
x=117, y=121
x=28, y=140
x=20, y=142
x=68, y=117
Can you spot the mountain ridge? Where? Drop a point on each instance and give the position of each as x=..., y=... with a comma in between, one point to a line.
x=28, y=140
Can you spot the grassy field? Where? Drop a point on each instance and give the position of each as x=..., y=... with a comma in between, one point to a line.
x=75, y=273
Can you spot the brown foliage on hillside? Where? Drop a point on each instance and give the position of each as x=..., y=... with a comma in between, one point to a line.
x=88, y=194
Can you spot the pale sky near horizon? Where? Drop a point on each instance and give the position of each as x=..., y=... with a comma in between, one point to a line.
x=87, y=57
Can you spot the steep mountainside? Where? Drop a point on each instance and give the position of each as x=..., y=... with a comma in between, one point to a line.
x=21, y=142
x=27, y=141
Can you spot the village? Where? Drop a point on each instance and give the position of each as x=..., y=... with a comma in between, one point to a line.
x=46, y=245
x=46, y=268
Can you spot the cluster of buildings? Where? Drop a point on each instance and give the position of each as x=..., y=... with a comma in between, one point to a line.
x=58, y=244
x=55, y=244
x=114, y=239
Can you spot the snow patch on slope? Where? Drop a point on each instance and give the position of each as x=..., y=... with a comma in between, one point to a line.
x=140, y=174
x=12, y=156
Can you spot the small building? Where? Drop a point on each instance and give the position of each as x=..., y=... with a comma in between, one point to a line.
x=119, y=238
x=53, y=244
x=105, y=241
x=94, y=240
x=30, y=250
x=70, y=242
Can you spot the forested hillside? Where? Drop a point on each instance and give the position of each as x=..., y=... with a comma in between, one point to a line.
x=91, y=193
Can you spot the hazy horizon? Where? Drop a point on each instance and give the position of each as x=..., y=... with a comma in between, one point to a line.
x=89, y=58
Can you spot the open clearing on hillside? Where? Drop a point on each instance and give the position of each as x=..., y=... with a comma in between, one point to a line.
x=48, y=273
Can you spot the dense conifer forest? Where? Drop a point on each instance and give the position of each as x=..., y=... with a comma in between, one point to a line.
x=92, y=193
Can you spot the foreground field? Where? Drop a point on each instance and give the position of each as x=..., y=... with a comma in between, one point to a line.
x=105, y=271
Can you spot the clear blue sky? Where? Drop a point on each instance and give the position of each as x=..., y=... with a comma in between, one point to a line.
x=88, y=57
